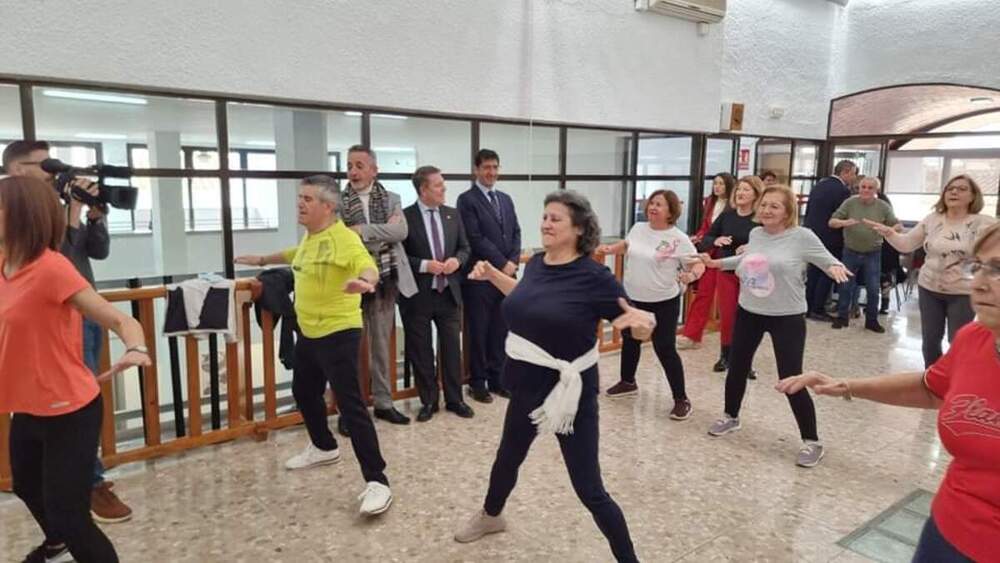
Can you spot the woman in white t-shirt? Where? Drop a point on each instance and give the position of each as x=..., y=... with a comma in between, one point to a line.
x=655, y=277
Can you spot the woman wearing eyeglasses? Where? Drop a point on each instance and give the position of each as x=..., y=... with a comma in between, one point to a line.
x=946, y=235
x=964, y=387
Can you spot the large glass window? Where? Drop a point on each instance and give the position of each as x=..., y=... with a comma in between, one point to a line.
x=746, y=160
x=402, y=143
x=718, y=156
x=112, y=121
x=297, y=138
x=914, y=179
x=591, y=151
x=529, y=202
x=775, y=156
x=867, y=156
x=523, y=149
x=806, y=159
x=667, y=156
x=607, y=199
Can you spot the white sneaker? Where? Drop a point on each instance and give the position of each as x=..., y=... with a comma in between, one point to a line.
x=312, y=456
x=375, y=499
x=685, y=343
x=480, y=525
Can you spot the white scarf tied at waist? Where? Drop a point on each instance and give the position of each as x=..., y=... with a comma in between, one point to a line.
x=558, y=411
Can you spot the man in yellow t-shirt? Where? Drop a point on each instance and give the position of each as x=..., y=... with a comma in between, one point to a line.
x=332, y=269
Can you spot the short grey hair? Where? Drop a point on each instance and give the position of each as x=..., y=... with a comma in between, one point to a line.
x=329, y=188
x=872, y=180
x=844, y=166
x=581, y=216
x=364, y=149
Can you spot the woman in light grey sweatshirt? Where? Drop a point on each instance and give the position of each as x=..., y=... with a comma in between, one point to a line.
x=773, y=300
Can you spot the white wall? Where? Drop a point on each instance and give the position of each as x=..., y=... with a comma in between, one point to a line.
x=593, y=61
x=889, y=42
x=778, y=53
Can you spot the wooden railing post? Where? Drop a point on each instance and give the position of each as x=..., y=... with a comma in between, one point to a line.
x=194, y=386
x=150, y=381
x=270, y=386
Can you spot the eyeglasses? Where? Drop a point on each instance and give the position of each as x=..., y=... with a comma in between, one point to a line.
x=971, y=267
x=958, y=188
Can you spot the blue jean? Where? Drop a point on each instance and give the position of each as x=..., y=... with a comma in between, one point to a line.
x=92, y=342
x=867, y=266
x=934, y=548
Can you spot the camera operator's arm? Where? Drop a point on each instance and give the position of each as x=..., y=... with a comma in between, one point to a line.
x=96, y=241
x=97, y=309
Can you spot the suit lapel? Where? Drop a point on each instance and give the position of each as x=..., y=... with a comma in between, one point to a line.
x=485, y=201
x=416, y=226
x=450, y=228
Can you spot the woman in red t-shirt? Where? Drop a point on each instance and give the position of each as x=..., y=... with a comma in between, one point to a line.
x=43, y=380
x=964, y=386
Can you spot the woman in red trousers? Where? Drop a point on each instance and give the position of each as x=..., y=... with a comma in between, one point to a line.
x=694, y=326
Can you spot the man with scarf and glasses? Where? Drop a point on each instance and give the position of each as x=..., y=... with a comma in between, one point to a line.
x=376, y=215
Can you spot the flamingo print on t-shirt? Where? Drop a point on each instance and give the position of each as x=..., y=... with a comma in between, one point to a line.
x=667, y=249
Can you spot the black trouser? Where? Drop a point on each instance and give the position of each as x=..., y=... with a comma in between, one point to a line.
x=788, y=336
x=487, y=332
x=937, y=309
x=333, y=359
x=418, y=312
x=52, y=462
x=579, y=451
x=664, y=344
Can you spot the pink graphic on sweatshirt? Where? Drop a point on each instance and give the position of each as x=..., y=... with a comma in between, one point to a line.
x=666, y=250
x=755, y=273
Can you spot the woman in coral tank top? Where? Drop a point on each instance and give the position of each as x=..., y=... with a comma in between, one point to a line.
x=55, y=398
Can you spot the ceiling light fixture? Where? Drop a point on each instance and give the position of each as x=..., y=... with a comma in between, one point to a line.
x=352, y=113
x=260, y=143
x=389, y=116
x=981, y=99
x=95, y=97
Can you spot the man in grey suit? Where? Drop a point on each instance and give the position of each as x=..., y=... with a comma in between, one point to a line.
x=376, y=215
x=436, y=248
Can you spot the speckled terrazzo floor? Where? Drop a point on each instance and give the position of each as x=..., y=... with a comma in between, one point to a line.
x=687, y=496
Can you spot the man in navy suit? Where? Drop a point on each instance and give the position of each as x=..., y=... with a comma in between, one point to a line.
x=491, y=225
x=436, y=248
x=825, y=198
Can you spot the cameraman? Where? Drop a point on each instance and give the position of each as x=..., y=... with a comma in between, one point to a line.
x=83, y=242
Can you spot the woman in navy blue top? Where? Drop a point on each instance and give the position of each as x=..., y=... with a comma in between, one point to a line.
x=556, y=307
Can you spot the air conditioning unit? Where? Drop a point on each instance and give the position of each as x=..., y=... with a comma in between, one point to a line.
x=707, y=11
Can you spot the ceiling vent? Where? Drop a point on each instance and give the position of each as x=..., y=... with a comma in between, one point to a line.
x=706, y=11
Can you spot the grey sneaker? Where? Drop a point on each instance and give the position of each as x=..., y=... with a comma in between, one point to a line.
x=479, y=525
x=724, y=426
x=810, y=454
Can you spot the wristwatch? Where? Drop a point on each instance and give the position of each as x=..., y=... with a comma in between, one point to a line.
x=140, y=349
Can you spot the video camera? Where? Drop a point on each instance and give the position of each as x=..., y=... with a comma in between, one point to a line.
x=121, y=197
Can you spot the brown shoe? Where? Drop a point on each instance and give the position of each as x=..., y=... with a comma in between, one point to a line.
x=681, y=410
x=106, y=507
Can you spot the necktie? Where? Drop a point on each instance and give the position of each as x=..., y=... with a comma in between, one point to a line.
x=496, y=206
x=439, y=280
